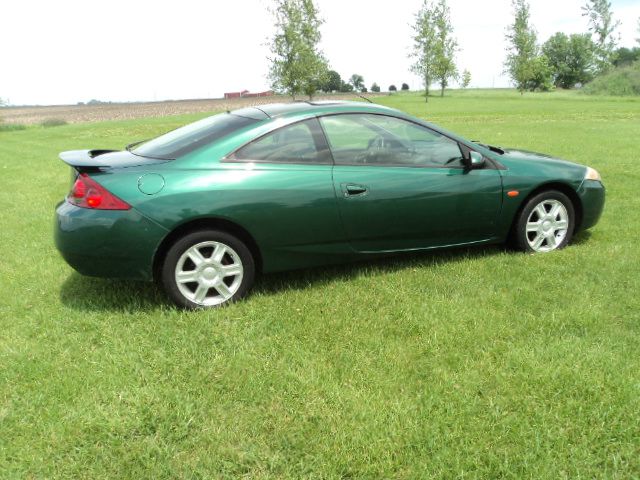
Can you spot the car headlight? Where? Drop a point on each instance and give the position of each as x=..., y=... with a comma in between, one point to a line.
x=592, y=174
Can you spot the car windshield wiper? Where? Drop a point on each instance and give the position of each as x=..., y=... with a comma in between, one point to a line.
x=134, y=144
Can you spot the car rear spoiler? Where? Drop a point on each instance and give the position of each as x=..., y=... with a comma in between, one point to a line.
x=86, y=158
x=94, y=160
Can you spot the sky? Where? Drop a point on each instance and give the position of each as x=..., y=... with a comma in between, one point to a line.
x=71, y=51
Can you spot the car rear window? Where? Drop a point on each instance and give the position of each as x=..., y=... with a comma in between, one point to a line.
x=186, y=139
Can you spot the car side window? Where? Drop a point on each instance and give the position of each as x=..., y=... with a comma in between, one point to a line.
x=301, y=142
x=370, y=139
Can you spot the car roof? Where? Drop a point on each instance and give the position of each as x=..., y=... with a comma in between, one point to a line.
x=276, y=110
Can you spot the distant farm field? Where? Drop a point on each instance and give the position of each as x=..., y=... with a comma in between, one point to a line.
x=472, y=363
x=126, y=111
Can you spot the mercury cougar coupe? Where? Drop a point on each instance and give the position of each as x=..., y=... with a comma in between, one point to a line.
x=204, y=208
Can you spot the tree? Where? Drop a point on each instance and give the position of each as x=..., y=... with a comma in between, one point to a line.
x=540, y=75
x=424, y=41
x=332, y=82
x=375, y=87
x=626, y=56
x=297, y=64
x=571, y=58
x=346, y=87
x=466, y=78
x=444, y=68
x=393, y=88
x=405, y=87
x=603, y=26
x=357, y=81
x=522, y=49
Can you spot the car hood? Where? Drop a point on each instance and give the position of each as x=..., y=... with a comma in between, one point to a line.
x=527, y=156
x=540, y=165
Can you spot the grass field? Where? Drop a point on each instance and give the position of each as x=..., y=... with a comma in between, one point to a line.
x=477, y=363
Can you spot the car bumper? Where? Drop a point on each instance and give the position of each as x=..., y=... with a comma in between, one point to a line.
x=107, y=243
x=592, y=195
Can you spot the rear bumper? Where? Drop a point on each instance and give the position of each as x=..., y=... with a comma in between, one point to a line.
x=592, y=195
x=106, y=243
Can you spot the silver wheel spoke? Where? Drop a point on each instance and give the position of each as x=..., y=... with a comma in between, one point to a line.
x=540, y=211
x=537, y=242
x=561, y=225
x=187, y=277
x=218, y=253
x=556, y=210
x=551, y=241
x=200, y=293
x=533, y=226
x=231, y=270
x=223, y=290
x=195, y=256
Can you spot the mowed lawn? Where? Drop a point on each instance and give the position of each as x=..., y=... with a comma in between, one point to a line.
x=472, y=363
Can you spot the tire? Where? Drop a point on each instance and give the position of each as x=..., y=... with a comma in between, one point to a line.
x=546, y=223
x=207, y=268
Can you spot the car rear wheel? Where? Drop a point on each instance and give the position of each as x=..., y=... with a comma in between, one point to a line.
x=207, y=268
x=546, y=223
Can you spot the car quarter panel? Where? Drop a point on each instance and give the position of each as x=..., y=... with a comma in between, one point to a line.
x=289, y=210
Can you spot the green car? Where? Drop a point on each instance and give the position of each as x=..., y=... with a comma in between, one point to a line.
x=204, y=208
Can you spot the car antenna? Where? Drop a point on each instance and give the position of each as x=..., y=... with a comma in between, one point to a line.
x=365, y=98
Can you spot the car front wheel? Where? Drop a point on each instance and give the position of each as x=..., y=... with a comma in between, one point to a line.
x=546, y=223
x=207, y=268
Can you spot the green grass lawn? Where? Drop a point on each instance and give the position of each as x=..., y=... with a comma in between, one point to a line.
x=478, y=363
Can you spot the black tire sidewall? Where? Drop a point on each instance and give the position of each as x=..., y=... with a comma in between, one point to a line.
x=521, y=225
x=176, y=250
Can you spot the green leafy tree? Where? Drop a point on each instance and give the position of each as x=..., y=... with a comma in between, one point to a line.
x=357, y=82
x=346, y=87
x=424, y=45
x=393, y=88
x=444, y=68
x=626, y=56
x=297, y=64
x=466, y=78
x=540, y=75
x=603, y=26
x=375, y=87
x=405, y=87
x=332, y=82
x=522, y=48
x=571, y=58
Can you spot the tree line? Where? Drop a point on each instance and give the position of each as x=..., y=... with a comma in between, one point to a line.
x=298, y=66
x=565, y=61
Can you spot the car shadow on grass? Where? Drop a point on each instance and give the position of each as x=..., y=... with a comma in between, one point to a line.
x=126, y=296
x=96, y=294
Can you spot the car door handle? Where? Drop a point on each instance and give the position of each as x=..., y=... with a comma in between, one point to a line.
x=353, y=190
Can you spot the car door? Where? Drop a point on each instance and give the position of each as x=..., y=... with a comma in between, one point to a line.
x=402, y=186
x=281, y=188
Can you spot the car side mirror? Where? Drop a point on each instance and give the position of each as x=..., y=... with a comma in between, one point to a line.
x=476, y=160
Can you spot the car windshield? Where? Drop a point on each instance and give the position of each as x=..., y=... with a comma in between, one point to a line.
x=186, y=139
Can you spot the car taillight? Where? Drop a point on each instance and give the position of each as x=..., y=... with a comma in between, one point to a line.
x=87, y=193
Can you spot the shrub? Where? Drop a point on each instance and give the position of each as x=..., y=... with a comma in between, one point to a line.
x=405, y=87
x=623, y=81
x=10, y=127
x=375, y=88
x=53, y=122
x=392, y=88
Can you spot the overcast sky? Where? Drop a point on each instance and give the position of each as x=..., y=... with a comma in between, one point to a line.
x=66, y=51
